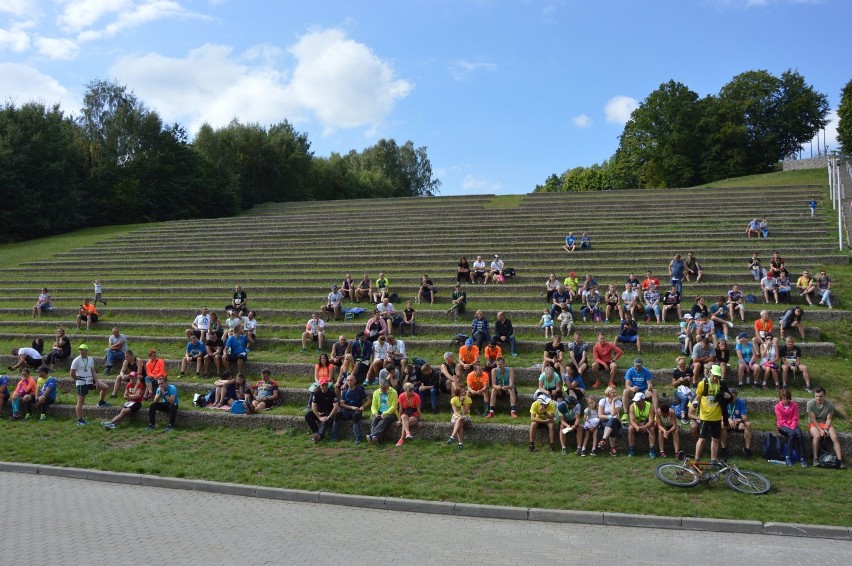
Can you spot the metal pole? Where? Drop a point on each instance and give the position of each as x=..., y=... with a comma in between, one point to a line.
x=840, y=220
x=830, y=177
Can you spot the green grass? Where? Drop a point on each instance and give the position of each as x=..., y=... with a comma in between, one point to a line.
x=490, y=474
x=779, y=178
x=13, y=254
x=505, y=201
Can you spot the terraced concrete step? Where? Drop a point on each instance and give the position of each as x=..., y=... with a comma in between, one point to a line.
x=334, y=328
x=413, y=343
x=114, y=313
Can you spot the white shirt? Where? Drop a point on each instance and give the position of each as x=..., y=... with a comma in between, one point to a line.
x=381, y=352
x=335, y=298
x=628, y=296
x=479, y=265
x=202, y=321
x=605, y=406
x=121, y=338
x=31, y=352
x=250, y=325
x=385, y=309
x=399, y=349
x=768, y=283
x=314, y=326
x=497, y=265
x=85, y=367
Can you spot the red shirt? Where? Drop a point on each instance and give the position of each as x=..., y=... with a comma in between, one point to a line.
x=603, y=352
x=647, y=282
x=134, y=392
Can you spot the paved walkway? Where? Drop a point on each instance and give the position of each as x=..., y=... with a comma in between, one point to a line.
x=73, y=521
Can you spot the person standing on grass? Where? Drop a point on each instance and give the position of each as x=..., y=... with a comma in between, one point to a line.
x=85, y=379
x=133, y=394
x=460, y=404
x=166, y=401
x=709, y=396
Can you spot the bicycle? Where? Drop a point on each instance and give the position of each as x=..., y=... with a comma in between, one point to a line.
x=689, y=473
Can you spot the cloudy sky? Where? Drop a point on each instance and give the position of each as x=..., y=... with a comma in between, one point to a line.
x=502, y=92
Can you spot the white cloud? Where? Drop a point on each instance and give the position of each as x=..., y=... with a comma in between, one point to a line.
x=582, y=121
x=819, y=141
x=344, y=83
x=473, y=184
x=22, y=84
x=460, y=68
x=80, y=14
x=139, y=15
x=15, y=39
x=336, y=79
x=618, y=109
x=57, y=48
x=16, y=7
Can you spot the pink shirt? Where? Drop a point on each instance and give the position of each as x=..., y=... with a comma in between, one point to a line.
x=787, y=416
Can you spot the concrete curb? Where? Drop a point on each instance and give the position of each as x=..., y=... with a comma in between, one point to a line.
x=441, y=507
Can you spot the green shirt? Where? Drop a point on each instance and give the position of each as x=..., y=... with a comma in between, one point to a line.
x=821, y=413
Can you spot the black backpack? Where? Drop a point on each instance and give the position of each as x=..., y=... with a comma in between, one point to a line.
x=509, y=272
x=827, y=458
x=774, y=447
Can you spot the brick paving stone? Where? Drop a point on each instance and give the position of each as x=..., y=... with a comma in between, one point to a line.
x=107, y=523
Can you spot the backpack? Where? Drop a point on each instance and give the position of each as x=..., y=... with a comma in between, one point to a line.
x=459, y=340
x=509, y=272
x=774, y=447
x=199, y=400
x=418, y=362
x=751, y=298
x=394, y=297
x=827, y=458
x=238, y=407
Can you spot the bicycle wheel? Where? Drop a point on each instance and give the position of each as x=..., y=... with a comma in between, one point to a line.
x=748, y=482
x=677, y=475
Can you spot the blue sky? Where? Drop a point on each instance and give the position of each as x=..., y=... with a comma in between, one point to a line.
x=502, y=92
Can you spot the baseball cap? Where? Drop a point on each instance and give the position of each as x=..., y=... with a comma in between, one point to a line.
x=639, y=397
x=742, y=335
x=83, y=347
x=637, y=361
x=716, y=370
x=687, y=316
x=335, y=287
x=468, y=342
x=544, y=399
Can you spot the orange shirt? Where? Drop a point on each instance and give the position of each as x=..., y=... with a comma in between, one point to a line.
x=323, y=373
x=477, y=383
x=468, y=355
x=88, y=309
x=493, y=352
x=763, y=325
x=156, y=368
x=26, y=387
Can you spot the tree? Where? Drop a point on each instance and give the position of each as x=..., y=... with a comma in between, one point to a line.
x=769, y=117
x=844, y=125
x=660, y=141
x=408, y=170
x=41, y=172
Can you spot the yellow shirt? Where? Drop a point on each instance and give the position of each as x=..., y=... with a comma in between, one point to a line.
x=710, y=410
x=542, y=412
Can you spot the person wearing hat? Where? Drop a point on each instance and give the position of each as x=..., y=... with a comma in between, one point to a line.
x=643, y=419
x=542, y=413
x=133, y=396
x=324, y=405
x=710, y=399
x=458, y=300
x=85, y=379
x=468, y=356
x=567, y=415
x=638, y=379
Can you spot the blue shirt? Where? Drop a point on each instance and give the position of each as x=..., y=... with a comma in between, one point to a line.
x=737, y=409
x=49, y=388
x=354, y=397
x=362, y=351
x=193, y=349
x=578, y=381
x=236, y=345
x=812, y=204
x=170, y=390
x=479, y=325
x=4, y=380
x=639, y=379
x=383, y=403
x=677, y=269
x=570, y=240
x=628, y=328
